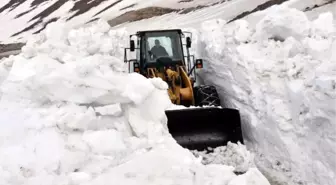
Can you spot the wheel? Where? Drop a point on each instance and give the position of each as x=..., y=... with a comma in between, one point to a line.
x=206, y=95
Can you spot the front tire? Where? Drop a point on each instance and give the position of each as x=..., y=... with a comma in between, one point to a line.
x=206, y=95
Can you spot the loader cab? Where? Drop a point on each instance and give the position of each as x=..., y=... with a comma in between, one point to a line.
x=156, y=47
x=159, y=47
x=165, y=46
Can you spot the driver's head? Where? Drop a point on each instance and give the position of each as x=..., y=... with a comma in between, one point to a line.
x=157, y=42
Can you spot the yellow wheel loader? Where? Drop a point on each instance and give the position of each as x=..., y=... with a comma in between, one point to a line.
x=162, y=54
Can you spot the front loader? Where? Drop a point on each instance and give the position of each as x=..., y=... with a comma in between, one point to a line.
x=161, y=53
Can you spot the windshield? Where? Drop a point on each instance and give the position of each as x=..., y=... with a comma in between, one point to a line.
x=163, y=44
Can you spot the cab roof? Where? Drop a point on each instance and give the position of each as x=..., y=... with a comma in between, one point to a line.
x=151, y=31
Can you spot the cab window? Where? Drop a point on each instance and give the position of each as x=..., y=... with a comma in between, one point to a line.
x=163, y=44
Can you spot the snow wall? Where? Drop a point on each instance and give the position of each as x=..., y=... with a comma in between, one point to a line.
x=70, y=115
x=282, y=78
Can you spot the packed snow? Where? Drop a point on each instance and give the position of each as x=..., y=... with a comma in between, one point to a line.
x=282, y=77
x=71, y=114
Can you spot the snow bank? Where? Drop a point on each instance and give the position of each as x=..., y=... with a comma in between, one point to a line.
x=282, y=77
x=69, y=114
x=283, y=24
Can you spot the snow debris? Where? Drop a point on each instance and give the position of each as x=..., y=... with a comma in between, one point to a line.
x=252, y=177
x=283, y=82
x=70, y=114
x=235, y=155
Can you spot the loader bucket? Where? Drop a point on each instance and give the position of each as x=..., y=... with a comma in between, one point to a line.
x=200, y=128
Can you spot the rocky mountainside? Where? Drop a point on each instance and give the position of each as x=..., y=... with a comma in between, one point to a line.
x=32, y=16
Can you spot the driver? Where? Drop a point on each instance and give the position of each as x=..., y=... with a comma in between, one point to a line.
x=158, y=50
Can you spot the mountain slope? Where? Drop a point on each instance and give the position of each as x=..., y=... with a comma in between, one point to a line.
x=31, y=16
x=22, y=18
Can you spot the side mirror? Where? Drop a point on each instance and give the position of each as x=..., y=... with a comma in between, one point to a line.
x=188, y=41
x=132, y=45
x=199, y=63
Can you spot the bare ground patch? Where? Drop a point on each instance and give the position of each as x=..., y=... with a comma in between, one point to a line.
x=79, y=8
x=185, y=1
x=82, y=6
x=276, y=2
x=10, y=47
x=317, y=6
x=39, y=17
x=129, y=6
x=144, y=13
x=108, y=7
x=11, y=5
x=258, y=8
x=149, y=12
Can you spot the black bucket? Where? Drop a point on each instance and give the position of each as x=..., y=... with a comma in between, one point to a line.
x=200, y=128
